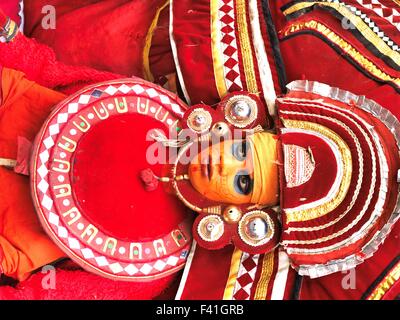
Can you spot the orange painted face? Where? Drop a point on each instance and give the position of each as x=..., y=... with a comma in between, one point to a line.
x=224, y=172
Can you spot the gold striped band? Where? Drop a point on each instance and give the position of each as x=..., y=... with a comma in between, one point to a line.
x=384, y=286
x=245, y=44
x=265, y=278
x=147, y=46
x=233, y=274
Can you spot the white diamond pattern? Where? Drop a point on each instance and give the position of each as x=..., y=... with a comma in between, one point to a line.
x=84, y=99
x=159, y=265
x=131, y=270
x=116, y=268
x=87, y=253
x=47, y=202
x=73, y=243
x=48, y=142
x=146, y=269
x=54, y=219
x=101, y=261
x=73, y=108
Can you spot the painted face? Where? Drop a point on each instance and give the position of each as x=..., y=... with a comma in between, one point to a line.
x=224, y=172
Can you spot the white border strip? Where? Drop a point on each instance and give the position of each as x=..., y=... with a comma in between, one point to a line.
x=264, y=68
x=186, y=271
x=22, y=16
x=278, y=289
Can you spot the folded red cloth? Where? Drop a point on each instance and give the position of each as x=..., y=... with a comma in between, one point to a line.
x=40, y=64
x=108, y=35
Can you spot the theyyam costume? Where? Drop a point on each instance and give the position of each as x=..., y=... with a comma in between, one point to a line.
x=223, y=149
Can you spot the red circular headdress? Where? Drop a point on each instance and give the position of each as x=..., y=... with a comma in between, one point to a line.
x=90, y=187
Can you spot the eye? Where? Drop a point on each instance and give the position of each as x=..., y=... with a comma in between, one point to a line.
x=243, y=183
x=239, y=150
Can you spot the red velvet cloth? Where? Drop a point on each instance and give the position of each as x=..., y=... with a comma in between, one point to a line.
x=12, y=8
x=40, y=64
x=107, y=35
x=73, y=283
x=215, y=265
x=335, y=287
x=309, y=57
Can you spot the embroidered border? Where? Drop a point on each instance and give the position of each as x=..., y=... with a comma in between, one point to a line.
x=331, y=37
x=227, y=44
x=379, y=8
x=265, y=278
x=299, y=165
x=246, y=276
x=364, y=25
x=348, y=262
x=246, y=50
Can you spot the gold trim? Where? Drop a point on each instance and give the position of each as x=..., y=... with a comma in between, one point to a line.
x=396, y=2
x=358, y=22
x=147, y=45
x=233, y=273
x=266, y=273
x=359, y=180
x=345, y=46
x=216, y=50
x=385, y=285
x=246, y=51
x=9, y=31
x=294, y=215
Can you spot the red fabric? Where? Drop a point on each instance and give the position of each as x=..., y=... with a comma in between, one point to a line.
x=40, y=64
x=290, y=288
x=192, y=35
x=393, y=164
x=277, y=16
x=161, y=58
x=330, y=287
x=108, y=185
x=303, y=61
x=76, y=284
x=208, y=274
x=107, y=35
x=12, y=9
x=315, y=184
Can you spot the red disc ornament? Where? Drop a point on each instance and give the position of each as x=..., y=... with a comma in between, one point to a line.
x=87, y=182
